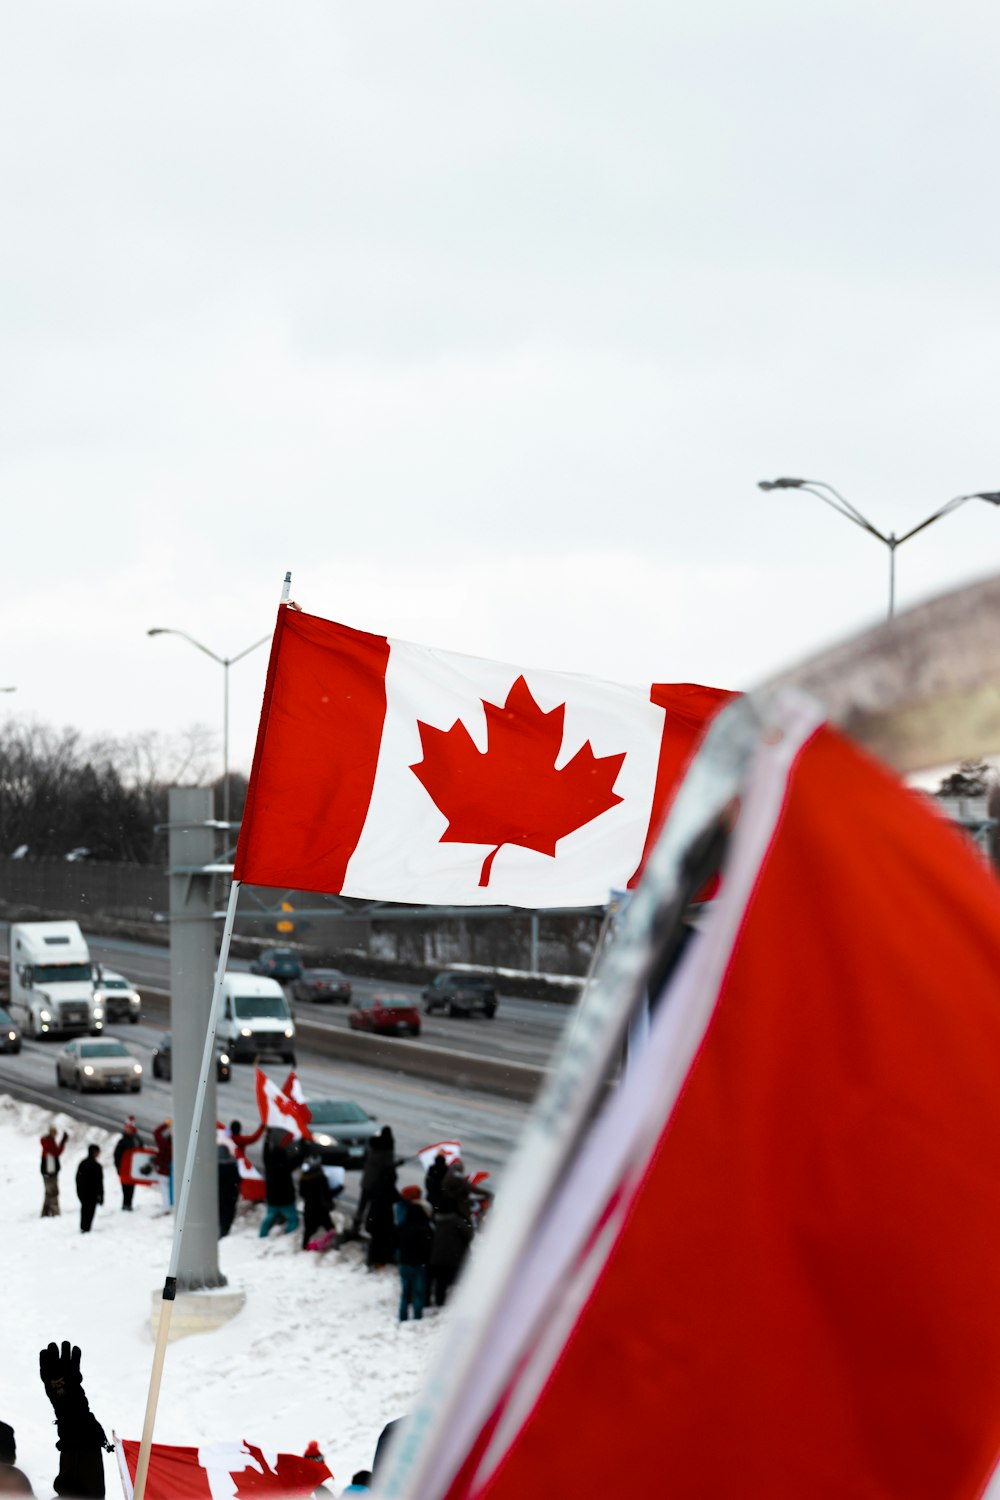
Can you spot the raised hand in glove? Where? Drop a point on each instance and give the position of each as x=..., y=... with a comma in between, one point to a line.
x=60, y=1372
x=81, y=1436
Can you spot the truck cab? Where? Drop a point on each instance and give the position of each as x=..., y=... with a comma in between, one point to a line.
x=51, y=980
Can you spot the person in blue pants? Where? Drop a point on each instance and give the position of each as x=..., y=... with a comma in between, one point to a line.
x=279, y=1184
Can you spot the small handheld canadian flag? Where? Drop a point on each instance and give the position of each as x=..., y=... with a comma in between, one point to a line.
x=283, y=1109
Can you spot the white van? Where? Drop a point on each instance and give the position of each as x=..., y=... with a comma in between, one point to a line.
x=255, y=1019
x=51, y=980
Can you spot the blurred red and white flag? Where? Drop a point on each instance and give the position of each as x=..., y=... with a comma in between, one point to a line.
x=389, y=770
x=219, y=1471
x=280, y=1110
x=771, y=1265
x=450, y=1150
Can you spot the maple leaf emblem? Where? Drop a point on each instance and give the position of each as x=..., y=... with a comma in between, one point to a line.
x=511, y=792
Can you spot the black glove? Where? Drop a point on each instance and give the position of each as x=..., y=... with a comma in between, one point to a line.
x=60, y=1372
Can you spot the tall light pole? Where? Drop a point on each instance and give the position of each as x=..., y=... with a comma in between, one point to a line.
x=836, y=501
x=225, y=662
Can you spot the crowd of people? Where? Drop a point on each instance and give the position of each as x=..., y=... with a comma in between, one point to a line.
x=425, y=1232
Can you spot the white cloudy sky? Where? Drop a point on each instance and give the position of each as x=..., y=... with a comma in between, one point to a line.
x=483, y=319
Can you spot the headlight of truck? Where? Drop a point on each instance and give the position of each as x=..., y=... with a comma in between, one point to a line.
x=12, y=1036
x=289, y=1031
x=137, y=1067
x=45, y=1015
x=325, y=1140
x=224, y=1059
x=245, y=1031
x=98, y=1012
x=89, y=1071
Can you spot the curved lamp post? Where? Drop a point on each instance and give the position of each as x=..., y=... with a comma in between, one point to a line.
x=836, y=501
x=225, y=662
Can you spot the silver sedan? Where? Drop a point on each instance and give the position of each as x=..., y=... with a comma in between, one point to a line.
x=104, y=1063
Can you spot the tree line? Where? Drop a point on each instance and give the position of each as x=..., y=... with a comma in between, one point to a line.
x=62, y=794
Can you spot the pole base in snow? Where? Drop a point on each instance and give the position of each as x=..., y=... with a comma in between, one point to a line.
x=196, y=1312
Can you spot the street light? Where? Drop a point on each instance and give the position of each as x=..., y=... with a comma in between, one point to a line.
x=225, y=662
x=836, y=501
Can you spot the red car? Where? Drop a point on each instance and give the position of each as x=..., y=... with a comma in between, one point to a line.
x=388, y=1015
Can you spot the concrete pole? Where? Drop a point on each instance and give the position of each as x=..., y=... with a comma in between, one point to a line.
x=192, y=973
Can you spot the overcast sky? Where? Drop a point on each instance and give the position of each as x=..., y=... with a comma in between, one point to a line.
x=484, y=319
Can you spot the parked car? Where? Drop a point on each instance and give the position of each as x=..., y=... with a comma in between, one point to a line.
x=461, y=995
x=162, y=1053
x=88, y=1063
x=10, y=1033
x=322, y=984
x=117, y=994
x=340, y=1131
x=278, y=963
x=388, y=1015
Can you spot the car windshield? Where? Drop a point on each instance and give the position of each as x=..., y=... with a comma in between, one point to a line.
x=5, y=1018
x=394, y=1002
x=260, y=1007
x=336, y=1112
x=115, y=984
x=103, y=1049
x=323, y=974
x=280, y=953
x=60, y=973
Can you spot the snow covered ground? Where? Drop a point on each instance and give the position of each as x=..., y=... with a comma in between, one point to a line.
x=317, y=1352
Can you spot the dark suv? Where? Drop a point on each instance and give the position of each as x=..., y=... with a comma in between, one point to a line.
x=461, y=995
x=278, y=963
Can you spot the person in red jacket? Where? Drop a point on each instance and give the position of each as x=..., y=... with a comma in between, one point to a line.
x=51, y=1152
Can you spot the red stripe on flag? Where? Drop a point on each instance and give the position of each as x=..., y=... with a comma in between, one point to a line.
x=316, y=755
x=688, y=709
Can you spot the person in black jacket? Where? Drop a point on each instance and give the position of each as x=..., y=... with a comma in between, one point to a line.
x=229, y=1189
x=413, y=1247
x=452, y=1238
x=128, y=1141
x=279, y=1184
x=89, y=1187
x=433, y=1180
x=317, y=1199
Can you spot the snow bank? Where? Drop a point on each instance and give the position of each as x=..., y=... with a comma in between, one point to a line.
x=317, y=1352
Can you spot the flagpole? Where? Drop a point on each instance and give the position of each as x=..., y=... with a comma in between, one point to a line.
x=180, y=1218
x=170, y=1284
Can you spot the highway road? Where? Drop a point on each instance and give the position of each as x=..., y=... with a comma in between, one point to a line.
x=523, y=1031
x=420, y=1112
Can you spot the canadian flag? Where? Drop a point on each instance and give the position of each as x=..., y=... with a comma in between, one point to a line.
x=450, y=1150
x=219, y=1471
x=280, y=1109
x=389, y=770
x=768, y=1264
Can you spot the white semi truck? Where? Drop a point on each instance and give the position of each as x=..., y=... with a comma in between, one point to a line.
x=52, y=980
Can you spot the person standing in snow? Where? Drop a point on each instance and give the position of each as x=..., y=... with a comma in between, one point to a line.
x=279, y=1185
x=163, y=1163
x=413, y=1248
x=52, y=1150
x=317, y=1199
x=229, y=1188
x=127, y=1142
x=433, y=1180
x=452, y=1238
x=89, y=1187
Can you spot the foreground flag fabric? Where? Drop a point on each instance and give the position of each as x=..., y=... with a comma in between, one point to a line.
x=219, y=1471
x=393, y=771
x=279, y=1110
x=773, y=1267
